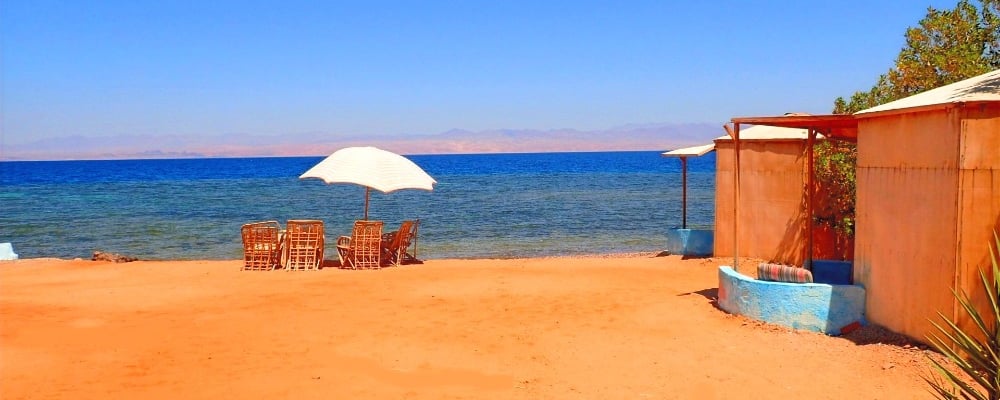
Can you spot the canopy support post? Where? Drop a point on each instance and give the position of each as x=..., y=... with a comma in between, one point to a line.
x=810, y=191
x=684, y=193
x=734, y=133
x=736, y=206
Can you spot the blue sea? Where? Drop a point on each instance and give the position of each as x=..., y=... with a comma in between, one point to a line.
x=484, y=205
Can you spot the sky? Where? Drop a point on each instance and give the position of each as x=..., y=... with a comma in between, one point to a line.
x=274, y=68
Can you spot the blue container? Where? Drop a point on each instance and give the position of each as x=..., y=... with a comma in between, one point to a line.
x=7, y=252
x=833, y=272
x=690, y=242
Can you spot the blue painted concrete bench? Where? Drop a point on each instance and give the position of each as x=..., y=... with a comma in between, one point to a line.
x=819, y=307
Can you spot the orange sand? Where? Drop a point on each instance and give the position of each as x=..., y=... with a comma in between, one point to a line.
x=617, y=327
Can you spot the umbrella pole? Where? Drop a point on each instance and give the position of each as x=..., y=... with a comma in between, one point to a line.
x=684, y=196
x=367, y=194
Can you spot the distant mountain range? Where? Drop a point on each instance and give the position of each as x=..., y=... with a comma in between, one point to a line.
x=628, y=137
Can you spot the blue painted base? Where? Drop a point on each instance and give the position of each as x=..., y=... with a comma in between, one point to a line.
x=816, y=307
x=690, y=242
x=832, y=272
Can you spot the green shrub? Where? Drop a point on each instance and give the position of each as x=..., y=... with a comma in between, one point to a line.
x=836, y=175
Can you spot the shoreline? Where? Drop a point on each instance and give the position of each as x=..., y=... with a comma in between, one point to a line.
x=640, y=254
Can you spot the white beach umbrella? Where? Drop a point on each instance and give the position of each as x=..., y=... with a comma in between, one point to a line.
x=372, y=168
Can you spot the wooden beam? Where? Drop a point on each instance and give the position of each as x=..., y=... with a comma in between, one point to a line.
x=729, y=131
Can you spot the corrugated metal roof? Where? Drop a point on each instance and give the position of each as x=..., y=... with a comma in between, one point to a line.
x=764, y=132
x=693, y=151
x=985, y=87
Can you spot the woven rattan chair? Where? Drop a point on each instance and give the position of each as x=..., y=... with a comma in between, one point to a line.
x=363, y=248
x=396, y=245
x=304, y=243
x=261, y=245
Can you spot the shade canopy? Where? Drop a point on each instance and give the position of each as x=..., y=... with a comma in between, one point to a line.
x=371, y=167
x=694, y=151
x=683, y=154
x=837, y=126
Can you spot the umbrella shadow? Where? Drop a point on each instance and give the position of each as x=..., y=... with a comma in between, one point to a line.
x=710, y=294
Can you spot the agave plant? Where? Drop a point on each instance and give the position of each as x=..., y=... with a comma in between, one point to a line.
x=975, y=351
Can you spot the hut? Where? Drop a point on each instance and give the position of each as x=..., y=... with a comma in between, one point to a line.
x=928, y=201
x=772, y=214
x=928, y=198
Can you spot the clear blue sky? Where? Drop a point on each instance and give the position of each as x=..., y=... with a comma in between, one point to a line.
x=106, y=68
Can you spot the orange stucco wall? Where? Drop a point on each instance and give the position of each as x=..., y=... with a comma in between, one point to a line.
x=979, y=198
x=928, y=199
x=772, y=200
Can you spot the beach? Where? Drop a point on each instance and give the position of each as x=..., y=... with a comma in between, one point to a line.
x=620, y=326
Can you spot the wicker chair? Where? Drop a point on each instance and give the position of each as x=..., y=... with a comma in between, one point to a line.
x=261, y=245
x=363, y=248
x=396, y=245
x=304, y=243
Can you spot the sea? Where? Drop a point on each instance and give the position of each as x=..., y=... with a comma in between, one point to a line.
x=483, y=206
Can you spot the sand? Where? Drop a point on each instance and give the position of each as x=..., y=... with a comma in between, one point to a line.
x=593, y=327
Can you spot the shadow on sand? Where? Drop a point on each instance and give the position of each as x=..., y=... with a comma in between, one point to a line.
x=710, y=294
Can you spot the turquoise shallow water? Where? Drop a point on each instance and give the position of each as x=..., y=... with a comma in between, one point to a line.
x=484, y=206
